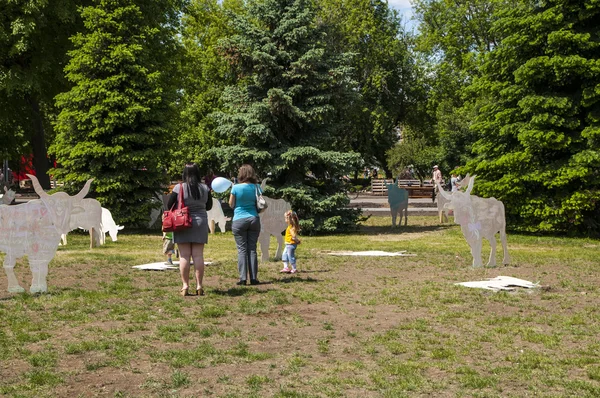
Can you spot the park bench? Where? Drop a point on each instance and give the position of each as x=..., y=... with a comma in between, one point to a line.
x=415, y=188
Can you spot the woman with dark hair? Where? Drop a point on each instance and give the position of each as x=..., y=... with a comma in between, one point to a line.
x=246, y=223
x=191, y=241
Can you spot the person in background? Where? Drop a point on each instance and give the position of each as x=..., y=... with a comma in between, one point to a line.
x=168, y=247
x=436, y=177
x=208, y=178
x=191, y=241
x=246, y=223
x=454, y=182
x=291, y=242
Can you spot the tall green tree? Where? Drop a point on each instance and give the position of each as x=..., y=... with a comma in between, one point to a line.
x=539, y=150
x=383, y=68
x=454, y=36
x=205, y=75
x=34, y=40
x=115, y=122
x=284, y=115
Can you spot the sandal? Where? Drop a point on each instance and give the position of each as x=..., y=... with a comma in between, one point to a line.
x=184, y=292
x=200, y=291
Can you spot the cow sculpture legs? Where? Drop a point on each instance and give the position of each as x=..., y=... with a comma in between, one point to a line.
x=265, y=240
x=39, y=272
x=400, y=209
x=9, y=269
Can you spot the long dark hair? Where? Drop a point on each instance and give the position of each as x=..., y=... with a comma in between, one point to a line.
x=191, y=176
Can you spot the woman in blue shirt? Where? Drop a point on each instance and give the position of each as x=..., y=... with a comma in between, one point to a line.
x=246, y=223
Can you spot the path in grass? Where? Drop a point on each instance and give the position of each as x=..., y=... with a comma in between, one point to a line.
x=343, y=327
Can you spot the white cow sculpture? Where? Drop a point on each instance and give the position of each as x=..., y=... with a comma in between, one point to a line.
x=272, y=222
x=109, y=225
x=478, y=218
x=90, y=220
x=216, y=217
x=33, y=229
x=8, y=197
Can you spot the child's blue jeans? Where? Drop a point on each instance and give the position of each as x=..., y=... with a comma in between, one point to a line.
x=289, y=255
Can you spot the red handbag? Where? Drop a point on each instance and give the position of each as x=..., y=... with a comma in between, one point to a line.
x=177, y=219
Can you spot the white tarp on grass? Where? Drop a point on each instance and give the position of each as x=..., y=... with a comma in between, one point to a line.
x=500, y=283
x=376, y=253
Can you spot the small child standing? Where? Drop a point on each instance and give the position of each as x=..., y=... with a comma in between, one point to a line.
x=168, y=247
x=291, y=242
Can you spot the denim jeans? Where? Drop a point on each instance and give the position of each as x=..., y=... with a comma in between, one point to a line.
x=289, y=254
x=245, y=232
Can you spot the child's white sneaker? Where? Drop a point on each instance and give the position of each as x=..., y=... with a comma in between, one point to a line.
x=293, y=271
x=285, y=271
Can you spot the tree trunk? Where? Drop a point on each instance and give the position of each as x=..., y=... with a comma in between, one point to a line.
x=38, y=144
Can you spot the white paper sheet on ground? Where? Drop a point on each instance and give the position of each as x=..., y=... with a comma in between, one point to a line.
x=500, y=283
x=376, y=253
x=161, y=266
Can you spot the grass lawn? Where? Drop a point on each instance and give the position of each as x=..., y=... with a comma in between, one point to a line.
x=343, y=327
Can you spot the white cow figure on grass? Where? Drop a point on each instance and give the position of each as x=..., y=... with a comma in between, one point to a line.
x=479, y=218
x=216, y=217
x=90, y=220
x=8, y=196
x=109, y=225
x=33, y=229
x=272, y=222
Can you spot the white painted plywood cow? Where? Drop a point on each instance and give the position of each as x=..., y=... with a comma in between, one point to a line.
x=443, y=210
x=398, y=201
x=479, y=218
x=109, y=225
x=216, y=217
x=272, y=222
x=8, y=196
x=33, y=229
x=89, y=220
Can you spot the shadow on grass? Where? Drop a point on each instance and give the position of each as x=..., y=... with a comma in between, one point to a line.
x=297, y=279
x=239, y=291
x=382, y=230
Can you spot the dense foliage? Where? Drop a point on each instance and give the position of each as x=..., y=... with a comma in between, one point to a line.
x=34, y=39
x=539, y=95
x=283, y=116
x=114, y=123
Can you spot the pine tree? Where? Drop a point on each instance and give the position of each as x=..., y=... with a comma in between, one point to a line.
x=540, y=117
x=284, y=115
x=114, y=123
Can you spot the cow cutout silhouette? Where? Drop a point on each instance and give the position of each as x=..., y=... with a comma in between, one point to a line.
x=398, y=201
x=441, y=200
x=8, y=196
x=216, y=217
x=33, y=229
x=479, y=218
x=90, y=220
x=272, y=222
x=109, y=225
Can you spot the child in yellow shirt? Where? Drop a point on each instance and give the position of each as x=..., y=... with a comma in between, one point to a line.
x=291, y=242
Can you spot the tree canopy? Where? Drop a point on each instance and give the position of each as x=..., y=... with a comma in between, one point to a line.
x=114, y=123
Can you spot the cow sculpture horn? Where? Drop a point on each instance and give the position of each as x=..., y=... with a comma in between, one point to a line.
x=37, y=187
x=441, y=191
x=40, y=191
x=470, y=187
x=84, y=191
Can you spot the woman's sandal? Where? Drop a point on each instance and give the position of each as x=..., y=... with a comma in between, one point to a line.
x=184, y=292
x=200, y=291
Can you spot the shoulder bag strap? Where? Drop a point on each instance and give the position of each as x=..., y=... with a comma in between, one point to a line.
x=181, y=203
